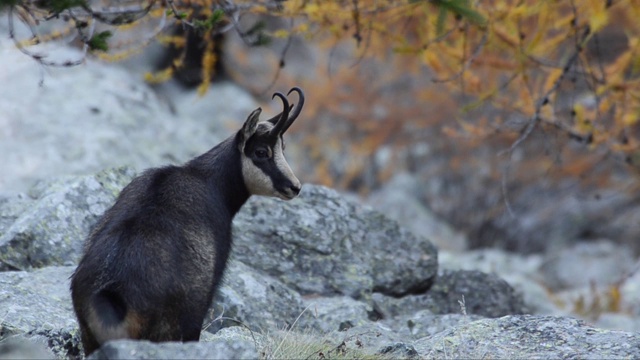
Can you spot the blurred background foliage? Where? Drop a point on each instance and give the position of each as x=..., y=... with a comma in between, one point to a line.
x=519, y=116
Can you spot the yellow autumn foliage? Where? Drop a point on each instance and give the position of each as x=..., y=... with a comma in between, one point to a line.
x=522, y=56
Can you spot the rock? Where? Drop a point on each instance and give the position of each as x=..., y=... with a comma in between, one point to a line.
x=607, y=306
x=369, y=338
x=457, y=292
x=339, y=313
x=94, y=116
x=617, y=321
x=11, y=206
x=37, y=306
x=236, y=348
x=529, y=337
x=320, y=243
x=520, y=271
x=219, y=112
x=52, y=228
x=355, y=343
x=425, y=323
x=36, y=299
x=584, y=264
x=347, y=251
x=233, y=333
x=630, y=292
x=397, y=199
x=258, y=301
x=251, y=296
x=20, y=348
x=496, y=261
x=399, y=350
x=536, y=296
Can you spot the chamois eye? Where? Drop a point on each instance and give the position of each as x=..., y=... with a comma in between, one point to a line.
x=261, y=153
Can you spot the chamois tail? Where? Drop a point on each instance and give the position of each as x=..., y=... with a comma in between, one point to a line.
x=110, y=318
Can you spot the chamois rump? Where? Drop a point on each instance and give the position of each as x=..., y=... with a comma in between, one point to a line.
x=153, y=262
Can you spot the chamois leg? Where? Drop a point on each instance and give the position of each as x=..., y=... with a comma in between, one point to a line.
x=89, y=342
x=191, y=326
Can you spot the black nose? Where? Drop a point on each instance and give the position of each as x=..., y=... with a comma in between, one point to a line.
x=294, y=189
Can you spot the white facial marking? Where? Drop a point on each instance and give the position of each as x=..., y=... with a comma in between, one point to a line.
x=259, y=183
x=283, y=166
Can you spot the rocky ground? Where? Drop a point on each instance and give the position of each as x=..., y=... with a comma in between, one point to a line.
x=319, y=264
x=322, y=275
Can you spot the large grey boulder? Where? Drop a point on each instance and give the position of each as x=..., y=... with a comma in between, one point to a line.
x=320, y=243
x=11, y=207
x=50, y=227
x=252, y=299
x=529, y=337
x=37, y=306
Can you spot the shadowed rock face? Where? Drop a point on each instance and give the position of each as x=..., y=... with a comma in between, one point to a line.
x=457, y=292
x=318, y=264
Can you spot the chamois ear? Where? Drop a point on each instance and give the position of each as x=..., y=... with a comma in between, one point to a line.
x=249, y=128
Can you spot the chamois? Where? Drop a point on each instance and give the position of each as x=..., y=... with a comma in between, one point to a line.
x=154, y=260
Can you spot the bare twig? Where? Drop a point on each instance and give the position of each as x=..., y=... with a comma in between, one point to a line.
x=367, y=43
x=463, y=306
x=467, y=63
x=541, y=102
x=40, y=58
x=281, y=62
x=535, y=119
x=119, y=16
x=356, y=20
x=178, y=17
x=531, y=124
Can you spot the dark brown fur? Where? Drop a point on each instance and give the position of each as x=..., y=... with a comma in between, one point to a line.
x=155, y=259
x=164, y=229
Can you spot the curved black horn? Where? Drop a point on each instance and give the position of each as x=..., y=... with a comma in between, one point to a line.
x=284, y=115
x=297, y=109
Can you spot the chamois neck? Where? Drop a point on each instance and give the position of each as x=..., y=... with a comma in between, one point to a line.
x=222, y=169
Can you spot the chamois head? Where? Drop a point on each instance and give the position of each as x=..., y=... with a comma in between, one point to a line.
x=264, y=168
